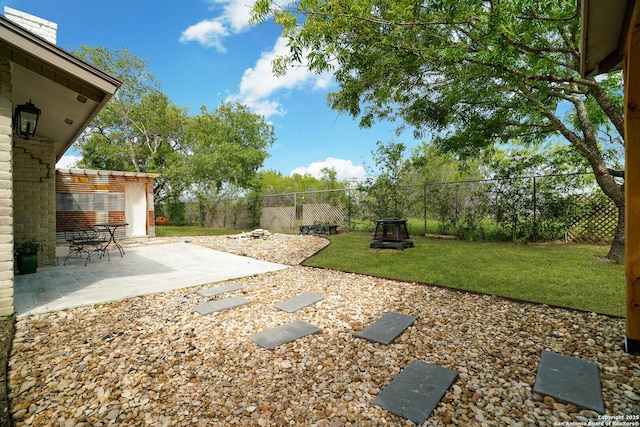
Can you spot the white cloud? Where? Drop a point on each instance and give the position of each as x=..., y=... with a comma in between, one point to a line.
x=234, y=18
x=208, y=33
x=238, y=13
x=345, y=169
x=68, y=161
x=259, y=83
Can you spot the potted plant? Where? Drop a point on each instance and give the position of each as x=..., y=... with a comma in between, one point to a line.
x=26, y=253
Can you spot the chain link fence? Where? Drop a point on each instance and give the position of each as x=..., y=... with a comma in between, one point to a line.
x=287, y=212
x=539, y=208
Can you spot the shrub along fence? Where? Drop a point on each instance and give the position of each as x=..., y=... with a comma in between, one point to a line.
x=523, y=209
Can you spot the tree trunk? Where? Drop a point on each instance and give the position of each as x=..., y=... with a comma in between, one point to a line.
x=615, y=192
x=588, y=147
x=606, y=179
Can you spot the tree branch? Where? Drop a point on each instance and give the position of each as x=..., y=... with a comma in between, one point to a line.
x=616, y=173
x=608, y=106
x=571, y=136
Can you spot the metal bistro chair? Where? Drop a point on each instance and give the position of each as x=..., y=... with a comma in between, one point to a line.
x=84, y=239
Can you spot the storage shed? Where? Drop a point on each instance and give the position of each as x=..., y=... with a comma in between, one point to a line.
x=97, y=196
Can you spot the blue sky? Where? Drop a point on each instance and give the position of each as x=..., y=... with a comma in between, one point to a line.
x=204, y=52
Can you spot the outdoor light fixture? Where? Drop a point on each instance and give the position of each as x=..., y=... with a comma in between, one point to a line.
x=25, y=120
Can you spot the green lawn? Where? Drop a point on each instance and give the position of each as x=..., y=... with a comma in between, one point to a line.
x=171, y=230
x=566, y=275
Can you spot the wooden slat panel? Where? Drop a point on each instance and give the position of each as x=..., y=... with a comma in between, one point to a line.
x=632, y=177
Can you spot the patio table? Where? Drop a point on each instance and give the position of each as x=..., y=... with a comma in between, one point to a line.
x=111, y=228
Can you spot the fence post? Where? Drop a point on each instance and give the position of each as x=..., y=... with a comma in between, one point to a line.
x=424, y=207
x=349, y=209
x=457, y=207
x=295, y=209
x=535, y=210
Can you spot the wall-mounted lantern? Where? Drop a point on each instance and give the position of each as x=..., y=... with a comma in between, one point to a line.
x=25, y=120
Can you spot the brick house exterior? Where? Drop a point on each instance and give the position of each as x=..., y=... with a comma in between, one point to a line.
x=34, y=202
x=70, y=93
x=6, y=190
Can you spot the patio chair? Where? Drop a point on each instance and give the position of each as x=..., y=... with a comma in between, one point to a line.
x=84, y=239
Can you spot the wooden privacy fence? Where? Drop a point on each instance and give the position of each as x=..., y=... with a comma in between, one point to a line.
x=595, y=225
x=278, y=219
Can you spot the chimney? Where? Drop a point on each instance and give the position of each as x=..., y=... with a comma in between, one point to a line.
x=40, y=27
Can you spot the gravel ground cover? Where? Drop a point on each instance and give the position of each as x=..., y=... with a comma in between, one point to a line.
x=287, y=249
x=154, y=361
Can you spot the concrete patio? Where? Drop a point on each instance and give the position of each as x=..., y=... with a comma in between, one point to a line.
x=141, y=271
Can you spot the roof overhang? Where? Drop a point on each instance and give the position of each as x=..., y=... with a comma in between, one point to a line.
x=77, y=171
x=604, y=29
x=69, y=91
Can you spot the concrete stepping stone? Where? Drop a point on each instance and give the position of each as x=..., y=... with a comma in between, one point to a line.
x=211, y=292
x=416, y=391
x=387, y=328
x=220, y=305
x=270, y=338
x=301, y=301
x=570, y=380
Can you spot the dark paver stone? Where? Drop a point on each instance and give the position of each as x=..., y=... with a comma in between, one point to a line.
x=219, y=305
x=211, y=292
x=387, y=328
x=270, y=338
x=301, y=301
x=416, y=391
x=570, y=380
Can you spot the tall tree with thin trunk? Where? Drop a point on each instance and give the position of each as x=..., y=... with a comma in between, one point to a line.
x=471, y=73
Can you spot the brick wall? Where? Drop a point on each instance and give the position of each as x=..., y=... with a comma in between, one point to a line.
x=6, y=191
x=34, y=195
x=38, y=26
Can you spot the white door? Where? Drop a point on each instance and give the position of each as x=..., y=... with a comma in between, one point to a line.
x=135, y=208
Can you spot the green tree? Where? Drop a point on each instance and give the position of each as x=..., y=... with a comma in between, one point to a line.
x=226, y=147
x=471, y=72
x=141, y=130
x=274, y=182
x=384, y=197
x=454, y=194
x=430, y=165
x=534, y=192
x=319, y=189
x=330, y=177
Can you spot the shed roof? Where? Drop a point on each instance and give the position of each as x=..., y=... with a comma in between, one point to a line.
x=78, y=171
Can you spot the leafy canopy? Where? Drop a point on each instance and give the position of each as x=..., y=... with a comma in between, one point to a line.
x=475, y=72
x=142, y=130
x=470, y=73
